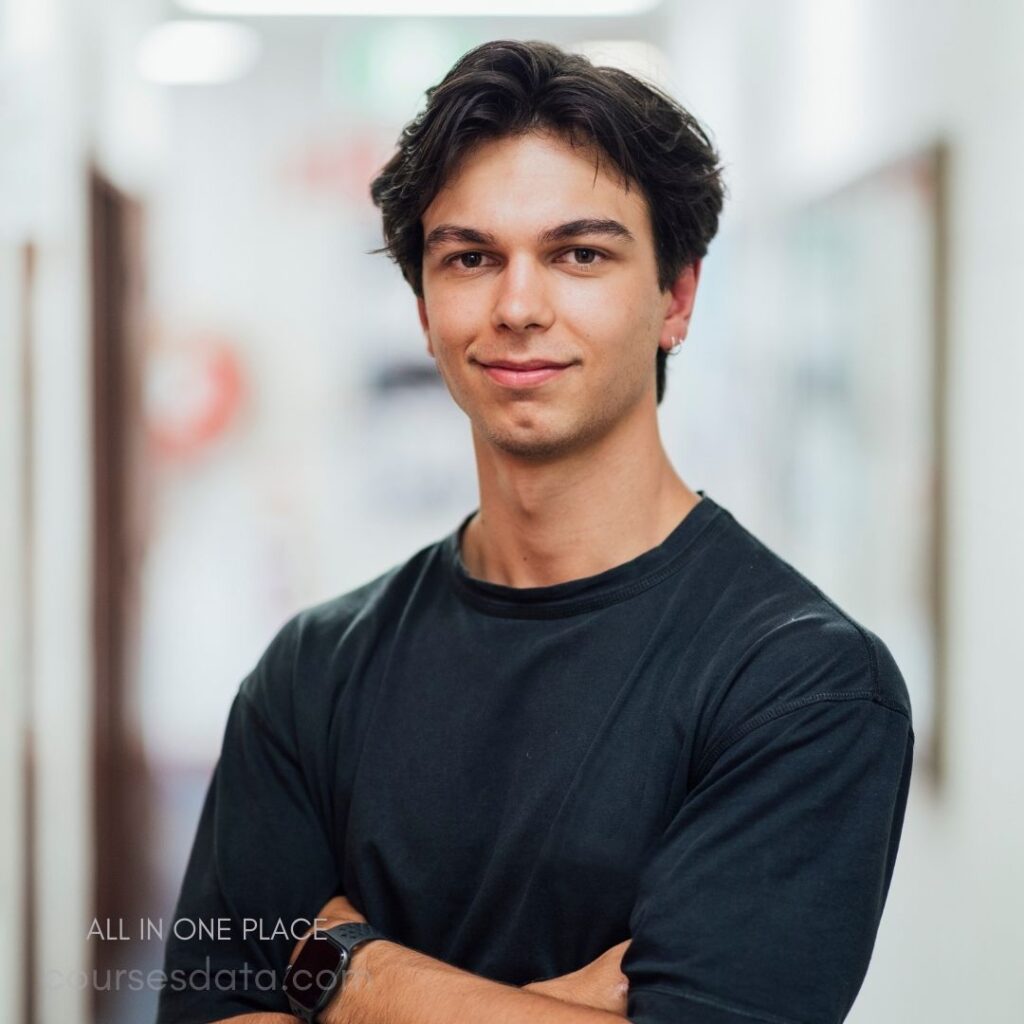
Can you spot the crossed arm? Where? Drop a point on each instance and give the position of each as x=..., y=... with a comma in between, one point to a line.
x=392, y=984
x=775, y=868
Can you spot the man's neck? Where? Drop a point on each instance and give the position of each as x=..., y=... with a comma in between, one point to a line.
x=565, y=519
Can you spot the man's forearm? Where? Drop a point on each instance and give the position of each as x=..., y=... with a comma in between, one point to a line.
x=261, y=1018
x=392, y=984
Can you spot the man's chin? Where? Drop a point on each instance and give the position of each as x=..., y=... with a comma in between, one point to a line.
x=534, y=445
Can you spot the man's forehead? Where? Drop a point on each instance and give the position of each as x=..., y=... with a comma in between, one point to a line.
x=533, y=183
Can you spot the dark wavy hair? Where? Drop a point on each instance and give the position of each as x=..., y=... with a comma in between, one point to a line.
x=507, y=87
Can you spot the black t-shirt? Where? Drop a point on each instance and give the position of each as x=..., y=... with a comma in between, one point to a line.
x=696, y=749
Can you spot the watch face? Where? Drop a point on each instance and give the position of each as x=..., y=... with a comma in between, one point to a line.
x=314, y=973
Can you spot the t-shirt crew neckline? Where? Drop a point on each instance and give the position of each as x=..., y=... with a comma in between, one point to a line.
x=588, y=592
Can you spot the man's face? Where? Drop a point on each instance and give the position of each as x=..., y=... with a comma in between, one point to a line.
x=513, y=275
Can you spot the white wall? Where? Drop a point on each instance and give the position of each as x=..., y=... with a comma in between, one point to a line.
x=804, y=96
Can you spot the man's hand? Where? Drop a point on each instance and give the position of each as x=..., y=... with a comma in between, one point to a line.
x=338, y=910
x=600, y=984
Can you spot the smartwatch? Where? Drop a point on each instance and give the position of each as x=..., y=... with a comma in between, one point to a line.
x=319, y=969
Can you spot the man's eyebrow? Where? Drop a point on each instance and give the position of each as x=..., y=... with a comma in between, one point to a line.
x=453, y=233
x=580, y=228
x=587, y=226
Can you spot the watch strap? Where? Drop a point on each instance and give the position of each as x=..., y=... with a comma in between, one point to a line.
x=351, y=935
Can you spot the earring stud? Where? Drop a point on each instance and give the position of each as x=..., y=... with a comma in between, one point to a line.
x=676, y=345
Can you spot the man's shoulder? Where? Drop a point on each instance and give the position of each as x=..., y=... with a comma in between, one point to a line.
x=785, y=640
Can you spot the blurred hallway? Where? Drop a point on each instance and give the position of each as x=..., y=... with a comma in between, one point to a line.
x=216, y=408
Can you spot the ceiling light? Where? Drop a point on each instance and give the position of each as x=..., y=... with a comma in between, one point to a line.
x=423, y=8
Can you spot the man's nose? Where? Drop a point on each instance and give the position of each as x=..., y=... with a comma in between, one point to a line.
x=522, y=301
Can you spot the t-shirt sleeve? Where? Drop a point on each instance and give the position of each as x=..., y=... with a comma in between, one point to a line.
x=763, y=898
x=261, y=863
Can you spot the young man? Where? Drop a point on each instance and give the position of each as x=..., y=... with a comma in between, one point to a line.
x=597, y=736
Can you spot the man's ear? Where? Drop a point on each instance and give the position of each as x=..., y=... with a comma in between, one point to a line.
x=421, y=308
x=683, y=294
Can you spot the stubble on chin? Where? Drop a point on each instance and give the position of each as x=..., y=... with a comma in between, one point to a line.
x=547, y=442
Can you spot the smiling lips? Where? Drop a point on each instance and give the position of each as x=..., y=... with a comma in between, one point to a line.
x=526, y=374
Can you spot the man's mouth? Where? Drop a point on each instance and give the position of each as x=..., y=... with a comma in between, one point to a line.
x=522, y=374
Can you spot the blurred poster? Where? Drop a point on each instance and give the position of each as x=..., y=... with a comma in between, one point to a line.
x=854, y=417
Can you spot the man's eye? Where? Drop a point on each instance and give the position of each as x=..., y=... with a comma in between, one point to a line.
x=585, y=257
x=460, y=258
